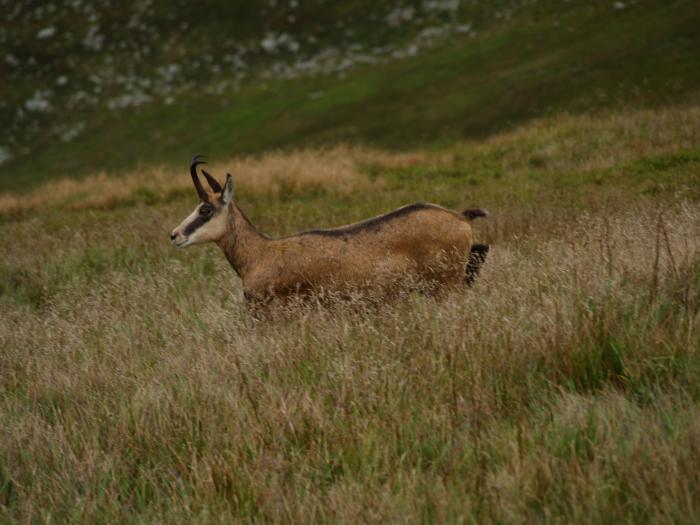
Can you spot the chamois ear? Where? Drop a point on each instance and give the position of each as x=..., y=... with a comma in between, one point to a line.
x=227, y=194
x=213, y=183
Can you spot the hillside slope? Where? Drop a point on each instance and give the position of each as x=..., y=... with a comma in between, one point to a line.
x=482, y=72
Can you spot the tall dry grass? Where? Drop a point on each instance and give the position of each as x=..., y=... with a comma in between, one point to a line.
x=563, y=387
x=340, y=169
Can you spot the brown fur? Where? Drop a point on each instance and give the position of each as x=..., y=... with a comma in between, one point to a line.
x=427, y=242
x=420, y=243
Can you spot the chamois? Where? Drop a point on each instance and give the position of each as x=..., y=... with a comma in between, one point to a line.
x=418, y=243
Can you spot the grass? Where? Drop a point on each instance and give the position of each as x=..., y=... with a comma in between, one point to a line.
x=562, y=157
x=562, y=388
x=551, y=57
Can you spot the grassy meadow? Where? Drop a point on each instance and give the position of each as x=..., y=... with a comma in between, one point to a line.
x=563, y=387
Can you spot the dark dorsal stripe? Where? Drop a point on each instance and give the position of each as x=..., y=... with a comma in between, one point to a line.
x=375, y=223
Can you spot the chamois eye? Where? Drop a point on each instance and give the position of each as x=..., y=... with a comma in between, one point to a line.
x=206, y=210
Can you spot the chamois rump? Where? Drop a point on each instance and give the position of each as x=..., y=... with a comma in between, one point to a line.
x=416, y=244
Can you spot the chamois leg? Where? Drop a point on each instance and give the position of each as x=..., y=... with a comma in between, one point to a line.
x=477, y=256
x=258, y=305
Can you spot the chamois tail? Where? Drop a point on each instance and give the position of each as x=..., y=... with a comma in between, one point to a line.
x=474, y=214
x=477, y=256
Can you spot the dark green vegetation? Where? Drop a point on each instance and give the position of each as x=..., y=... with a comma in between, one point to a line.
x=551, y=56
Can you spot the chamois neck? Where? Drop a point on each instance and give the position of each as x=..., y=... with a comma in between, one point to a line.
x=242, y=243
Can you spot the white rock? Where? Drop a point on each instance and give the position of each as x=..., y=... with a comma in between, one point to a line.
x=137, y=98
x=5, y=154
x=400, y=15
x=269, y=43
x=272, y=42
x=93, y=39
x=11, y=60
x=45, y=33
x=441, y=5
x=67, y=134
x=39, y=102
x=170, y=72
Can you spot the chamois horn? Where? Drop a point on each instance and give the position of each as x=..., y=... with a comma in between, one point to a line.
x=212, y=182
x=196, y=160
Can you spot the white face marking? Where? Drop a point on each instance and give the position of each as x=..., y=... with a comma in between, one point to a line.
x=211, y=230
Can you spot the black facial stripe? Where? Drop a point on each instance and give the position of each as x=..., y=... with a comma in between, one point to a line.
x=196, y=223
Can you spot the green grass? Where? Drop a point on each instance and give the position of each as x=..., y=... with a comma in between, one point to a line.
x=548, y=59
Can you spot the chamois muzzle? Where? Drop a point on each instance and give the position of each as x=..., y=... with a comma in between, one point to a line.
x=196, y=160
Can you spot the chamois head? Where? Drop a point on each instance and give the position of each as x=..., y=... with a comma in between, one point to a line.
x=208, y=222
